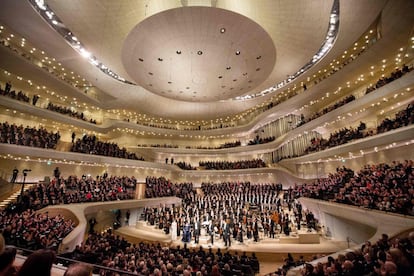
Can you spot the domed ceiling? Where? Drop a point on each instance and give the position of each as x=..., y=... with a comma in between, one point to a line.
x=198, y=53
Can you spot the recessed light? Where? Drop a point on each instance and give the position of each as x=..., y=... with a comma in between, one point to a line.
x=160, y=59
x=140, y=59
x=150, y=73
x=199, y=53
x=178, y=52
x=237, y=53
x=235, y=80
x=220, y=77
x=222, y=30
x=257, y=69
x=169, y=82
x=258, y=57
x=187, y=87
x=228, y=67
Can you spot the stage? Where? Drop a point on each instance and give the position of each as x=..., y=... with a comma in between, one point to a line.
x=270, y=252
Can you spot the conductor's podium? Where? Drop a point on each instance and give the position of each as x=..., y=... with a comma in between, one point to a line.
x=300, y=238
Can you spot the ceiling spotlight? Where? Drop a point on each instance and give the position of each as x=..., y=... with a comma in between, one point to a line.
x=160, y=59
x=178, y=52
x=258, y=57
x=220, y=77
x=237, y=53
x=199, y=53
x=222, y=30
x=140, y=59
x=228, y=67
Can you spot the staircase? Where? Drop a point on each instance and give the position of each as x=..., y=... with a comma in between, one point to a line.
x=11, y=192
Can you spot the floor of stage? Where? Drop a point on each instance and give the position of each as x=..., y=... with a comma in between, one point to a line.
x=270, y=252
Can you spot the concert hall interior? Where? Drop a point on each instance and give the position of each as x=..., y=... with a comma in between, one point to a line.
x=207, y=137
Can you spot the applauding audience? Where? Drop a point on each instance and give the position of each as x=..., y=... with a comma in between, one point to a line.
x=28, y=136
x=32, y=230
x=112, y=251
x=227, y=165
x=91, y=145
x=78, y=190
x=385, y=187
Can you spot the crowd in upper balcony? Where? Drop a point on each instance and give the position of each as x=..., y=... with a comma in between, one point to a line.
x=259, y=140
x=28, y=136
x=236, y=165
x=396, y=74
x=385, y=187
x=78, y=190
x=21, y=96
x=91, y=145
x=160, y=187
x=31, y=230
x=340, y=137
x=402, y=118
x=185, y=166
x=326, y=110
x=69, y=111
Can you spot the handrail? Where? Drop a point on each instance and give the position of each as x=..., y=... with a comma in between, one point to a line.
x=65, y=261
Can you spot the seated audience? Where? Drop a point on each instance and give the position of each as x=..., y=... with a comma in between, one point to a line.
x=31, y=230
x=112, y=251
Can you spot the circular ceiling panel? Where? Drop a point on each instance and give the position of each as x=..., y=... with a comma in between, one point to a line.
x=198, y=54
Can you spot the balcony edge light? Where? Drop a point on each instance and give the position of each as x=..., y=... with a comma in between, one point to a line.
x=330, y=38
x=50, y=17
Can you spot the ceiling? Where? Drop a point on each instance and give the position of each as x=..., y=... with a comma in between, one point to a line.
x=181, y=44
x=198, y=53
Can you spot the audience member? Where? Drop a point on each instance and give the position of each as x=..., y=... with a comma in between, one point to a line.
x=79, y=269
x=7, y=258
x=38, y=263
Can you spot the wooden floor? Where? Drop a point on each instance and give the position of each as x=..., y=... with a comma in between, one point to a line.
x=270, y=252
